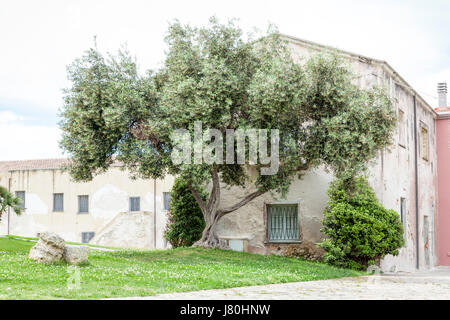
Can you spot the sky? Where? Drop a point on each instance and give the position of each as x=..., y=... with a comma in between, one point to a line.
x=38, y=39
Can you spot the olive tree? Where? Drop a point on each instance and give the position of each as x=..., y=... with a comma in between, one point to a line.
x=215, y=76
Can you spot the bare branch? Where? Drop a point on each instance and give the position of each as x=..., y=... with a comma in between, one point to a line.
x=199, y=200
x=214, y=198
x=241, y=203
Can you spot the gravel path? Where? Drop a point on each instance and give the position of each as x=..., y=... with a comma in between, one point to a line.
x=433, y=284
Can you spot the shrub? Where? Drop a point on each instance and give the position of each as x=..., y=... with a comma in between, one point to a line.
x=186, y=222
x=360, y=230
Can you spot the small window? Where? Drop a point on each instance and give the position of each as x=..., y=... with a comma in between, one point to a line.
x=282, y=223
x=58, y=202
x=424, y=140
x=403, y=210
x=403, y=216
x=166, y=196
x=135, y=204
x=401, y=128
x=87, y=236
x=21, y=196
x=83, y=204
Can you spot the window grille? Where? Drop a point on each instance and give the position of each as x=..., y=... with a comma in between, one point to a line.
x=282, y=222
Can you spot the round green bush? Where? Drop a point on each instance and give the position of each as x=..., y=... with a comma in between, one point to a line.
x=360, y=230
x=186, y=223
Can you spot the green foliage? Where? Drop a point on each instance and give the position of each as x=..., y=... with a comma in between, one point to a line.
x=214, y=75
x=360, y=230
x=186, y=221
x=8, y=200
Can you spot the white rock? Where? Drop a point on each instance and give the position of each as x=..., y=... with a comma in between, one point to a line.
x=49, y=248
x=76, y=254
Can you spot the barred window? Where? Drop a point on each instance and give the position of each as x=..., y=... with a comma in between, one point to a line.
x=282, y=223
x=83, y=204
x=58, y=202
x=166, y=196
x=135, y=203
x=21, y=196
x=87, y=236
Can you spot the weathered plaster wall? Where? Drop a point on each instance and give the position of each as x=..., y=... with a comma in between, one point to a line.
x=393, y=178
x=127, y=229
x=108, y=197
x=391, y=174
x=248, y=221
x=443, y=220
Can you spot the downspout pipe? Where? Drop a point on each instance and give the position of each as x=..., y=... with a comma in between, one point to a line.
x=416, y=173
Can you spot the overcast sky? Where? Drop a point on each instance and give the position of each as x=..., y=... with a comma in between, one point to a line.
x=38, y=39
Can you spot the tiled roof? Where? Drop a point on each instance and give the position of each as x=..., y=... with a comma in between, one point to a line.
x=40, y=164
x=32, y=164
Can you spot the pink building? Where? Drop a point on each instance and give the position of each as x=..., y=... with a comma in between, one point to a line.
x=443, y=167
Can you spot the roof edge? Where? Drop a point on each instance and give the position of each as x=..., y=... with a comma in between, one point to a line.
x=39, y=164
x=353, y=55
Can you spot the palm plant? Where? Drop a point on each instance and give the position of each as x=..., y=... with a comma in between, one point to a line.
x=8, y=200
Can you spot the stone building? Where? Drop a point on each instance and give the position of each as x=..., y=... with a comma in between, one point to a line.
x=117, y=211
x=110, y=210
x=402, y=181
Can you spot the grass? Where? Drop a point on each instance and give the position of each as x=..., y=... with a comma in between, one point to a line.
x=128, y=273
x=34, y=239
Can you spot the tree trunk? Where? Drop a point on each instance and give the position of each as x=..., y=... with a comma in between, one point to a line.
x=212, y=214
x=209, y=237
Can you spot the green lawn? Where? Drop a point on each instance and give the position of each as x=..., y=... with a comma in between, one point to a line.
x=142, y=273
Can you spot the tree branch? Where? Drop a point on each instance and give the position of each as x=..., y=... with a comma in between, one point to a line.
x=199, y=199
x=214, y=197
x=241, y=203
